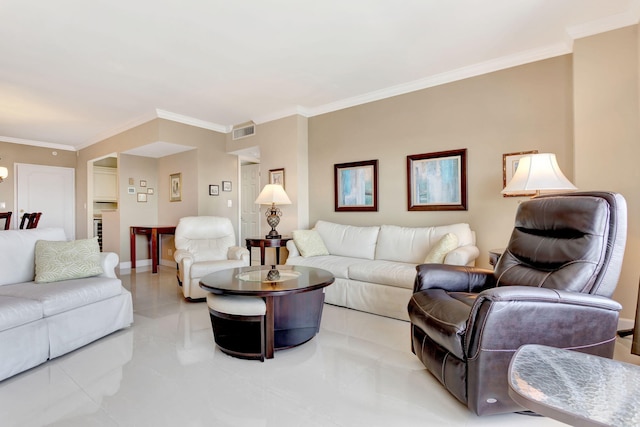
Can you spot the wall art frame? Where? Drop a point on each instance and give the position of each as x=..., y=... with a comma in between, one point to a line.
x=276, y=176
x=226, y=185
x=356, y=186
x=437, y=181
x=509, y=166
x=214, y=190
x=175, y=187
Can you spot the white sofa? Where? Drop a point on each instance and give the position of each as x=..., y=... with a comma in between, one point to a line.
x=41, y=321
x=375, y=267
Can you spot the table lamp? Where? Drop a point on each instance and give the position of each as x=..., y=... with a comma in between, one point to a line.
x=538, y=172
x=273, y=194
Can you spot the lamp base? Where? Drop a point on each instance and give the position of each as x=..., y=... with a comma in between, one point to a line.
x=273, y=235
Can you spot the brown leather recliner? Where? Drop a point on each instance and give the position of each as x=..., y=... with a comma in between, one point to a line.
x=551, y=286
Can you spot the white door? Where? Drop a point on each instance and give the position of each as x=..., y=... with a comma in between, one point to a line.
x=250, y=212
x=50, y=190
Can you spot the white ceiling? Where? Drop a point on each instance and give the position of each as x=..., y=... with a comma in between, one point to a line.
x=73, y=72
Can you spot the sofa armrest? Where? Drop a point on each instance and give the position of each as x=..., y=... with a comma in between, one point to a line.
x=464, y=255
x=239, y=253
x=109, y=262
x=453, y=278
x=293, y=249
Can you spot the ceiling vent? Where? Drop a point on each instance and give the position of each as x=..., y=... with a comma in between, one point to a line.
x=244, y=131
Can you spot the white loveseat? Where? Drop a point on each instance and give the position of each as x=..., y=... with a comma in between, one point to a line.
x=375, y=267
x=41, y=321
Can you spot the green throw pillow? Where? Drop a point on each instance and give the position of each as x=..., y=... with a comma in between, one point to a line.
x=309, y=243
x=61, y=260
x=439, y=251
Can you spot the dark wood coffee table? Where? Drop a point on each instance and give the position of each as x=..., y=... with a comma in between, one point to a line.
x=294, y=296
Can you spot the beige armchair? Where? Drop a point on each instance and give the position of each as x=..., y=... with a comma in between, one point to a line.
x=205, y=244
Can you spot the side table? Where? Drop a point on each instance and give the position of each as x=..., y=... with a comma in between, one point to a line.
x=576, y=388
x=152, y=232
x=262, y=243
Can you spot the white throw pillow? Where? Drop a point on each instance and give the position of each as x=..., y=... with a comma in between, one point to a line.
x=64, y=260
x=439, y=251
x=309, y=243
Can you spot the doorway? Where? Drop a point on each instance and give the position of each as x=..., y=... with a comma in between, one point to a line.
x=249, y=211
x=50, y=190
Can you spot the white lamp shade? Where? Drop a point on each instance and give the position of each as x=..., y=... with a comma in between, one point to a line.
x=538, y=172
x=4, y=172
x=273, y=194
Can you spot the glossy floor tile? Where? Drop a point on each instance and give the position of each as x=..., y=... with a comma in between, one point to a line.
x=166, y=371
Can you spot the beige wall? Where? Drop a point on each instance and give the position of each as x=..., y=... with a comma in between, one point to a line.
x=11, y=153
x=519, y=109
x=607, y=134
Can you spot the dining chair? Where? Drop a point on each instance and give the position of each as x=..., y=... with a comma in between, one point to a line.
x=7, y=219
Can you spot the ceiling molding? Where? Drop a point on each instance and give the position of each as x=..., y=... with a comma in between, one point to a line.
x=297, y=110
x=37, y=143
x=119, y=129
x=486, y=67
x=168, y=115
x=609, y=23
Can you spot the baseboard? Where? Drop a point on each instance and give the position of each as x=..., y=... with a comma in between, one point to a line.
x=139, y=263
x=625, y=324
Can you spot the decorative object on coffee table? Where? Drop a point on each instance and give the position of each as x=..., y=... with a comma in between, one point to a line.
x=273, y=194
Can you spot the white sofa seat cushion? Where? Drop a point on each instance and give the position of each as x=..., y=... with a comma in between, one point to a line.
x=349, y=240
x=398, y=274
x=18, y=247
x=63, y=296
x=202, y=268
x=18, y=311
x=411, y=244
x=336, y=265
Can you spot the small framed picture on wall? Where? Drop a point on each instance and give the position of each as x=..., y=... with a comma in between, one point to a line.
x=214, y=190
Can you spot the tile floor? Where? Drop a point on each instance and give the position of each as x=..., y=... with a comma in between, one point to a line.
x=166, y=371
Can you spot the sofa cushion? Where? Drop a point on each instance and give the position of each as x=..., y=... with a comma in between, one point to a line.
x=76, y=259
x=17, y=262
x=389, y=273
x=309, y=243
x=336, y=265
x=15, y=312
x=411, y=244
x=348, y=240
x=439, y=251
x=66, y=295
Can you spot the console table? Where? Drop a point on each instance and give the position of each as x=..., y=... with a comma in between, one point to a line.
x=262, y=243
x=575, y=388
x=152, y=232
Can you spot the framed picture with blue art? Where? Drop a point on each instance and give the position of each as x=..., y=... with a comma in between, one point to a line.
x=356, y=186
x=437, y=181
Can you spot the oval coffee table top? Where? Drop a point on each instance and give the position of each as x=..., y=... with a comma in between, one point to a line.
x=265, y=280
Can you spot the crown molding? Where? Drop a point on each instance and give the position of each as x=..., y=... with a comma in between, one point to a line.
x=44, y=144
x=174, y=117
x=293, y=111
x=609, y=23
x=474, y=70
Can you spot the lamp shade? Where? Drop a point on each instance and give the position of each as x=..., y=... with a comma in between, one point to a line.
x=538, y=172
x=273, y=194
x=4, y=172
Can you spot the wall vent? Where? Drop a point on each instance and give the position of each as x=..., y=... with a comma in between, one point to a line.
x=244, y=131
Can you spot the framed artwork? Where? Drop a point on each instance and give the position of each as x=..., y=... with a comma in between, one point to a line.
x=143, y=183
x=131, y=190
x=175, y=187
x=226, y=185
x=150, y=191
x=142, y=197
x=356, y=186
x=437, y=181
x=509, y=165
x=276, y=176
x=214, y=190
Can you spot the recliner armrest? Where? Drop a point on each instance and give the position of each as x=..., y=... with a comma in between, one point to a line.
x=535, y=294
x=180, y=254
x=453, y=278
x=238, y=252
